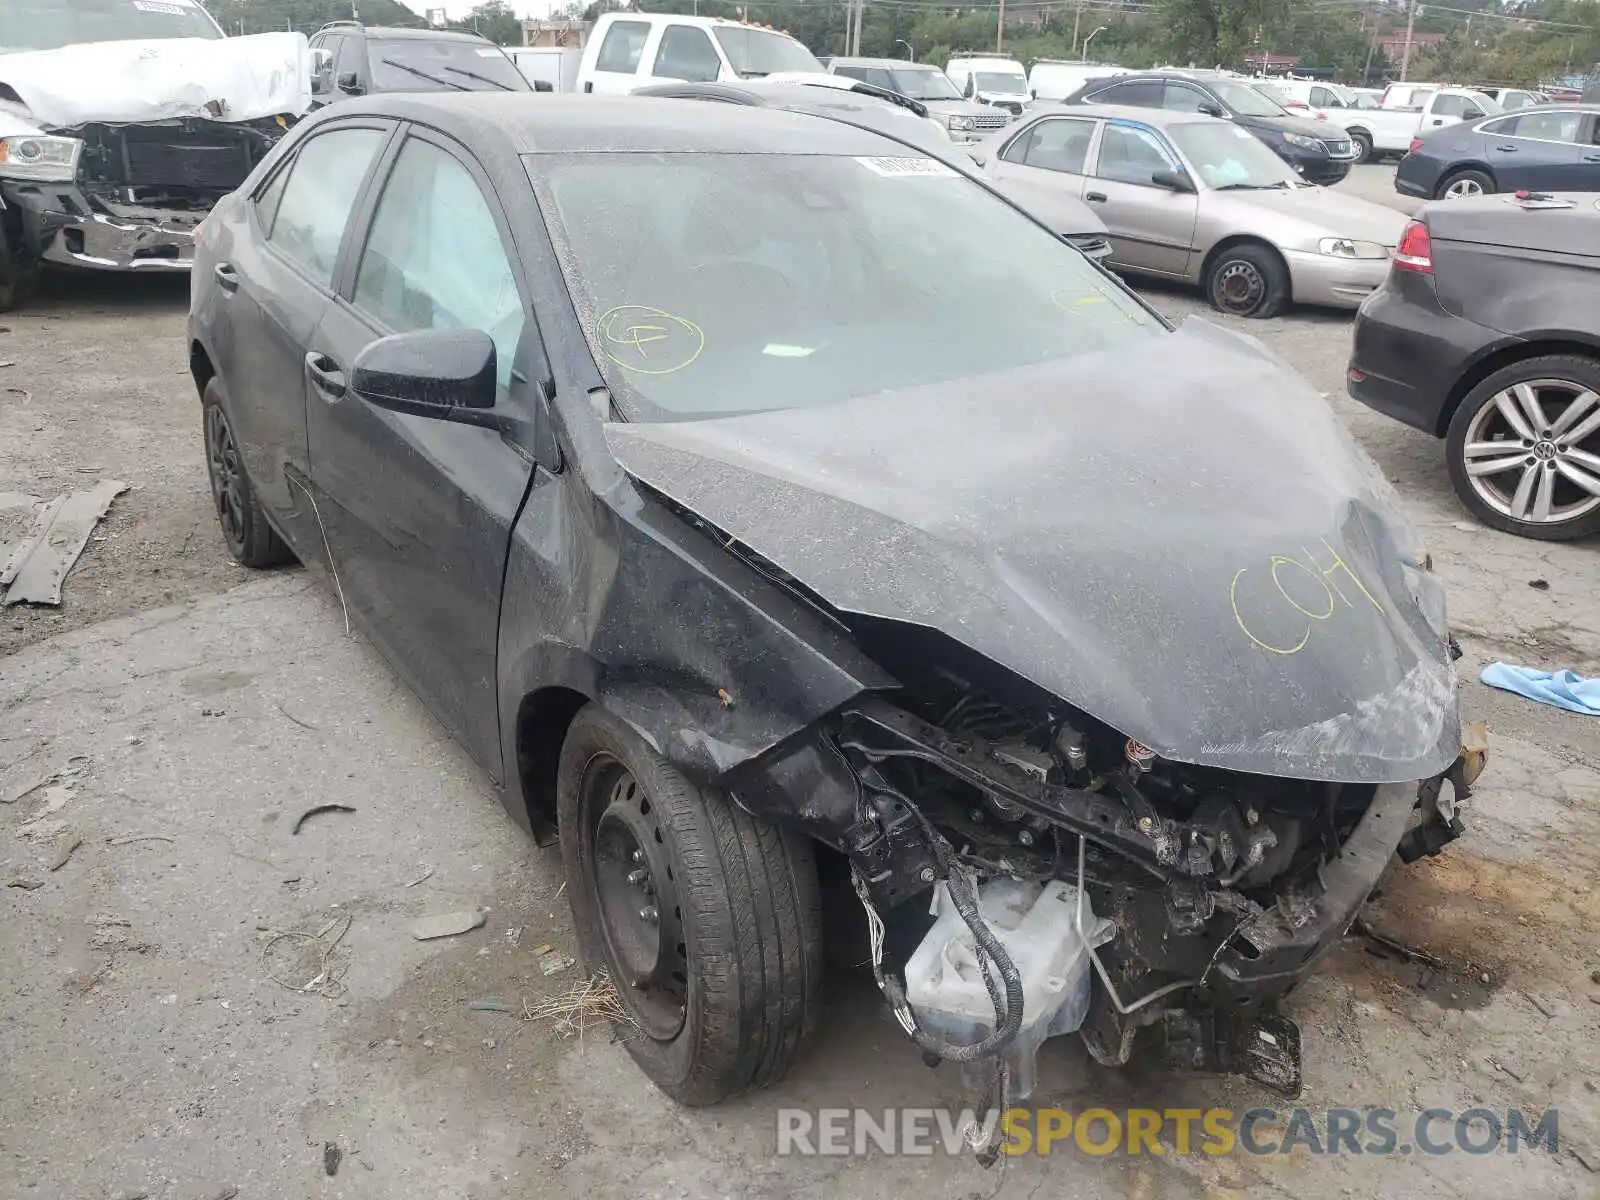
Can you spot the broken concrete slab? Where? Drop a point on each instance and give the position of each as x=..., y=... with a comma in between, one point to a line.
x=449, y=924
x=36, y=568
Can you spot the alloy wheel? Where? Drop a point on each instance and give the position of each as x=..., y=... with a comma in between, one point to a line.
x=637, y=895
x=1532, y=451
x=1241, y=287
x=227, y=476
x=1460, y=189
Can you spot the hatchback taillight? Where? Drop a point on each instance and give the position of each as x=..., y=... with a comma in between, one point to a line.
x=194, y=234
x=1415, y=251
x=1416, y=144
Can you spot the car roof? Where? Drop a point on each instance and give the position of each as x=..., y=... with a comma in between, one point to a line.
x=893, y=64
x=1161, y=118
x=403, y=33
x=538, y=123
x=779, y=94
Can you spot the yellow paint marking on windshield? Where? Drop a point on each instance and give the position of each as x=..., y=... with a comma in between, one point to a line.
x=648, y=340
x=1281, y=567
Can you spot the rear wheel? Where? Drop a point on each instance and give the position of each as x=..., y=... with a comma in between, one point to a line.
x=1459, y=185
x=1524, y=448
x=1247, y=280
x=707, y=920
x=249, y=538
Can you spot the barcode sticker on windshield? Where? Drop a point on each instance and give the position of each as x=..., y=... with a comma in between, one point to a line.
x=170, y=7
x=901, y=168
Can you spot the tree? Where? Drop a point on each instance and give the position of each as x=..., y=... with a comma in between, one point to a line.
x=1211, y=33
x=494, y=20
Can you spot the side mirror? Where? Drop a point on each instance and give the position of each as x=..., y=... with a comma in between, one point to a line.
x=978, y=157
x=543, y=85
x=1471, y=114
x=1173, y=181
x=448, y=374
x=1213, y=110
x=350, y=82
x=968, y=90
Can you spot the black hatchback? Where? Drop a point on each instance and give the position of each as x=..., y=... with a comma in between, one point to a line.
x=1321, y=152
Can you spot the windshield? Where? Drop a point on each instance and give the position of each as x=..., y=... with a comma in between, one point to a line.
x=51, y=24
x=924, y=85
x=1003, y=82
x=757, y=52
x=1228, y=156
x=711, y=284
x=441, y=65
x=1245, y=101
x=1273, y=92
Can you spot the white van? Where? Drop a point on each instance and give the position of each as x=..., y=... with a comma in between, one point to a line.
x=628, y=50
x=990, y=80
x=555, y=65
x=1055, y=79
x=1310, y=97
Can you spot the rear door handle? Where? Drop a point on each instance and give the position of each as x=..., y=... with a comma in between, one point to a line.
x=326, y=376
x=1591, y=158
x=227, y=277
x=1096, y=197
x=1506, y=149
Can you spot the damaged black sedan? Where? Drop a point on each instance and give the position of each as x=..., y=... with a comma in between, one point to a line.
x=734, y=525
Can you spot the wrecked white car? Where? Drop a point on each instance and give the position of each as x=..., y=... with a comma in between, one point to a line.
x=122, y=122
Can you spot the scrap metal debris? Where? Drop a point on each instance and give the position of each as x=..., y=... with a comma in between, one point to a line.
x=449, y=924
x=138, y=837
x=1382, y=946
x=296, y=720
x=69, y=843
x=40, y=541
x=321, y=808
x=26, y=883
x=553, y=962
x=331, y=1157
x=310, y=962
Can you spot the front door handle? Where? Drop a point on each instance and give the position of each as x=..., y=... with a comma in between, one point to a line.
x=326, y=376
x=1096, y=197
x=1591, y=158
x=1506, y=149
x=227, y=277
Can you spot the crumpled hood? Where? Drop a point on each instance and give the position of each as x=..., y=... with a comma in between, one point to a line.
x=228, y=79
x=1180, y=539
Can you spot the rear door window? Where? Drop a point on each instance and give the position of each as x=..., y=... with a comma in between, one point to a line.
x=1544, y=126
x=687, y=53
x=1058, y=144
x=1143, y=93
x=1450, y=106
x=321, y=190
x=623, y=45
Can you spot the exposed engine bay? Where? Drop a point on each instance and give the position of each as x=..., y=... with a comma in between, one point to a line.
x=1220, y=888
x=184, y=164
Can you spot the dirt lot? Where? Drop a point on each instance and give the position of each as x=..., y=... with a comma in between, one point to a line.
x=156, y=1038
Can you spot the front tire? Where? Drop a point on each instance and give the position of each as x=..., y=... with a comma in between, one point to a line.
x=1247, y=280
x=1363, y=145
x=707, y=919
x=1524, y=449
x=1462, y=185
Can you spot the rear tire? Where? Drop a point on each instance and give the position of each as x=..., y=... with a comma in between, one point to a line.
x=723, y=975
x=1528, y=473
x=1247, y=280
x=1460, y=185
x=245, y=531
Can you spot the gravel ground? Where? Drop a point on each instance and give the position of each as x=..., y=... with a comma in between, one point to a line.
x=156, y=1041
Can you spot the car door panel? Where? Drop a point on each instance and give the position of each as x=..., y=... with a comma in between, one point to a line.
x=276, y=306
x=1052, y=152
x=1151, y=228
x=419, y=511
x=1544, y=150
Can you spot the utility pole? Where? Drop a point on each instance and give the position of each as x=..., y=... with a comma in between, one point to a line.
x=1405, y=55
x=1077, y=17
x=1000, y=29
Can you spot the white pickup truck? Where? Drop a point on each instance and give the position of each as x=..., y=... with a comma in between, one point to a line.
x=1409, y=109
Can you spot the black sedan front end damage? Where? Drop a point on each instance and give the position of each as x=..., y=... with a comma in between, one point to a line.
x=1203, y=727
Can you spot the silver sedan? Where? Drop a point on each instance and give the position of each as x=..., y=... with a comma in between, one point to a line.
x=1189, y=197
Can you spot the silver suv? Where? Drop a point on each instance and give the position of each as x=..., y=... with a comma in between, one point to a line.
x=964, y=120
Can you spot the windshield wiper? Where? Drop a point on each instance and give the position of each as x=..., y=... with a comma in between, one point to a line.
x=481, y=78
x=754, y=74
x=1282, y=184
x=449, y=83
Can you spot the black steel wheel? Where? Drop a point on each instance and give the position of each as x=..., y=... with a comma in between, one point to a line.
x=706, y=919
x=249, y=538
x=1247, y=280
